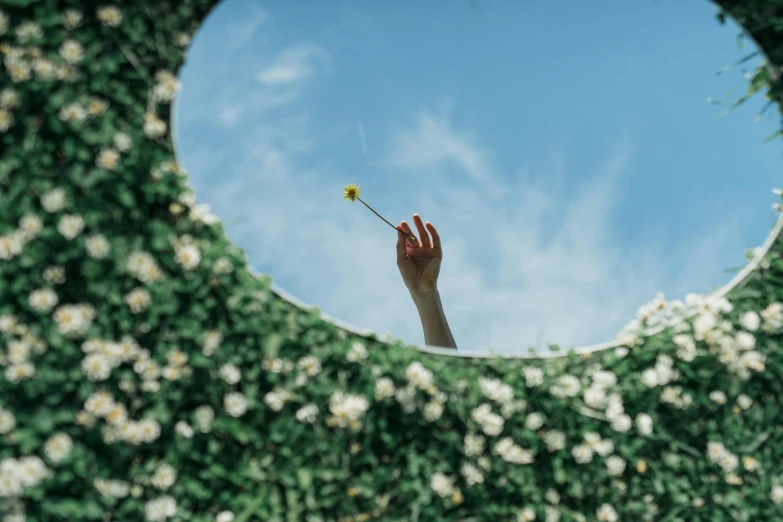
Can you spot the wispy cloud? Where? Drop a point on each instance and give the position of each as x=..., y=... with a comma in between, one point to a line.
x=239, y=33
x=294, y=64
x=362, y=138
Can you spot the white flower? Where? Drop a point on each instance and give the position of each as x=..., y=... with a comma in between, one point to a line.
x=31, y=225
x=108, y=159
x=3, y=23
x=418, y=375
x=555, y=440
x=441, y=484
x=53, y=201
x=72, y=51
x=54, y=275
x=18, y=69
x=109, y=15
x=496, y=390
x=745, y=340
x=650, y=377
x=143, y=267
x=165, y=476
x=183, y=429
x=606, y=513
x=99, y=403
x=567, y=386
x=473, y=445
x=616, y=465
x=276, y=400
x=750, y=321
x=154, y=127
x=31, y=470
x=347, y=409
x=526, y=515
x=70, y=226
x=776, y=494
x=595, y=397
x=621, y=423
x=167, y=87
x=43, y=300
x=472, y=474
x=433, y=411
x=187, y=256
x=718, y=397
x=534, y=421
x=122, y=141
x=491, y=423
x=44, y=69
x=384, y=388
x=533, y=376
x=96, y=367
x=582, y=453
x=26, y=31
x=9, y=98
x=160, y=509
x=357, y=352
x=58, y=447
x=72, y=18
x=6, y=120
x=149, y=430
x=138, y=300
x=644, y=424
x=310, y=364
x=744, y=402
x=7, y=422
x=73, y=112
x=307, y=413
x=10, y=485
x=230, y=373
x=225, y=516
x=74, y=320
x=11, y=245
x=773, y=317
x=235, y=404
x=211, y=342
x=97, y=246
x=183, y=39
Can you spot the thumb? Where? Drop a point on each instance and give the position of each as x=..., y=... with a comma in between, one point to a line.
x=401, y=255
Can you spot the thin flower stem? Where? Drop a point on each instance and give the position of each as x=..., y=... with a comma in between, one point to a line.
x=410, y=236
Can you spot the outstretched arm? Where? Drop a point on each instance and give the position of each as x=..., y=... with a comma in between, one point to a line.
x=419, y=263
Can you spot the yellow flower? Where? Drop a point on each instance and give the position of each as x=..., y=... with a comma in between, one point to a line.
x=351, y=192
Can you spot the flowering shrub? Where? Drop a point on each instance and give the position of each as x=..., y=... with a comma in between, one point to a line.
x=147, y=374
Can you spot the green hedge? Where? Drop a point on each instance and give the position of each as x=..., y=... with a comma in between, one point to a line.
x=149, y=375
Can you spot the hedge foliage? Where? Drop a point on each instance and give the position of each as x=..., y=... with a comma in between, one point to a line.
x=149, y=375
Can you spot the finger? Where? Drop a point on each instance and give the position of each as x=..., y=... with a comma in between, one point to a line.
x=412, y=240
x=425, y=238
x=401, y=255
x=434, y=234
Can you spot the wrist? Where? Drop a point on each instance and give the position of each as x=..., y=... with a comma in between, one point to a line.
x=420, y=297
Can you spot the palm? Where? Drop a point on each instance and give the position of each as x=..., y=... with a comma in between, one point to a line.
x=421, y=267
x=419, y=260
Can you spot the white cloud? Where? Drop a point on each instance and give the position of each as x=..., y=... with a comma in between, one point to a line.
x=362, y=138
x=239, y=33
x=294, y=64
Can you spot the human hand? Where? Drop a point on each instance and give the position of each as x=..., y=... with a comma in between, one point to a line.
x=419, y=260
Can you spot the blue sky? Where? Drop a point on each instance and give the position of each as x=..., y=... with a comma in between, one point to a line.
x=564, y=150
